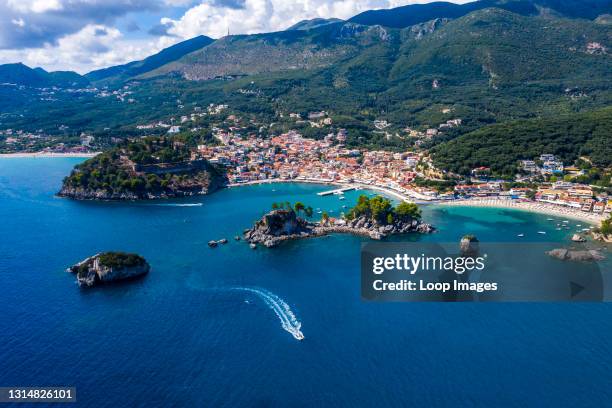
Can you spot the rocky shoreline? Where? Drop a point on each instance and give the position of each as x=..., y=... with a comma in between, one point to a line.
x=284, y=225
x=200, y=184
x=601, y=237
x=105, y=195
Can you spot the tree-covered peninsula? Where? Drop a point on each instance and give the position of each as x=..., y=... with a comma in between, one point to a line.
x=148, y=168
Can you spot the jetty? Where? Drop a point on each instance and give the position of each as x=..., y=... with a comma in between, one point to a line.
x=336, y=191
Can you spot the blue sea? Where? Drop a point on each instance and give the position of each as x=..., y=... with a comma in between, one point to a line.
x=187, y=335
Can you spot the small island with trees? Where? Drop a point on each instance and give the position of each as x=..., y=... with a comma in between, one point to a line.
x=108, y=267
x=375, y=218
x=148, y=168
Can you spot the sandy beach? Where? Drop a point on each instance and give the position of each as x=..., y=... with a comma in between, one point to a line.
x=45, y=155
x=537, y=207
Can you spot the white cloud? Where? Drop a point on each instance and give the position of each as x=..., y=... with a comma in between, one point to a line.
x=94, y=46
x=18, y=22
x=46, y=21
x=34, y=6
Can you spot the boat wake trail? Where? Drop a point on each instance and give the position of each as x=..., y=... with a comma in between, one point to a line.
x=288, y=320
x=177, y=205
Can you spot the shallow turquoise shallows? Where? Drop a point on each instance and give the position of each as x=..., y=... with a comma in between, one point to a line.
x=205, y=327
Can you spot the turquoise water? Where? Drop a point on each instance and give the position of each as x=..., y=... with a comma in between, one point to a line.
x=184, y=336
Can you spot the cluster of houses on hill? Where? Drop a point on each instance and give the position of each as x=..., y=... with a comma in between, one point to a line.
x=290, y=156
x=549, y=165
x=431, y=132
x=23, y=141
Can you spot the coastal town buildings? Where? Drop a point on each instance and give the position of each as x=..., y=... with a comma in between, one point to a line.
x=291, y=156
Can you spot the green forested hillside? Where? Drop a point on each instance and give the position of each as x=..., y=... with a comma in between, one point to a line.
x=501, y=146
x=406, y=16
x=489, y=66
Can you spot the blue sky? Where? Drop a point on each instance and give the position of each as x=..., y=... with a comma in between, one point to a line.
x=83, y=35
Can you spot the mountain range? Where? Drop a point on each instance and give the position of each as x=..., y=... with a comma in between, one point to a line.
x=167, y=55
x=21, y=74
x=406, y=16
x=399, y=18
x=486, y=62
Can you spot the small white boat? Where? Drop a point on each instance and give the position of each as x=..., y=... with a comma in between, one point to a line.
x=550, y=219
x=542, y=232
x=319, y=212
x=521, y=235
x=566, y=222
x=579, y=225
x=342, y=198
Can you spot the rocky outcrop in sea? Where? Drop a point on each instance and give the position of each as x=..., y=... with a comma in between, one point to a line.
x=109, y=267
x=575, y=255
x=284, y=225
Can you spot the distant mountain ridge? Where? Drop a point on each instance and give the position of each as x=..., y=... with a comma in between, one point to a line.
x=241, y=55
x=21, y=74
x=165, y=56
x=402, y=17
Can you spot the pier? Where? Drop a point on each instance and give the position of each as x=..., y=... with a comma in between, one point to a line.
x=336, y=191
